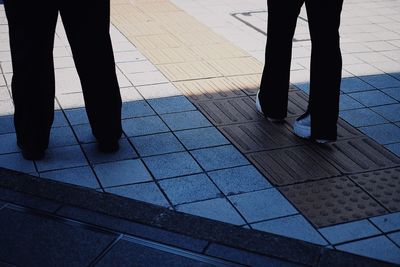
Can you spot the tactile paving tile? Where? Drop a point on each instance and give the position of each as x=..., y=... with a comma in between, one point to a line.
x=219, y=51
x=237, y=66
x=205, y=38
x=209, y=89
x=189, y=71
x=383, y=185
x=250, y=84
x=332, y=201
x=230, y=111
x=155, y=41
x=358, y=155
x=293, y=165
x=259, y=136
x=170, y=55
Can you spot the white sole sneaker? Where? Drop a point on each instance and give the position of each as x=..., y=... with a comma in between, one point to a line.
x=302, y=131
x=259, y=109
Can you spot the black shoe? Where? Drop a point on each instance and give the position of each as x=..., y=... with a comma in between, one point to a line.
x=31, y=154
x=108, y=146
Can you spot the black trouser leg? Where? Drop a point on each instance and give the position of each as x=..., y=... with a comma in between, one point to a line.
x=282, y=18
x=326, y=66
x=31, y=29
x=87, y=25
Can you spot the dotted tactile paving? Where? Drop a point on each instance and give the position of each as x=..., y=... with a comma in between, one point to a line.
x=383, y=185
x=358, y=155
x=332, y=201
x=259, y=136
x=293, y=165
x=230, y=111
x=209, y=89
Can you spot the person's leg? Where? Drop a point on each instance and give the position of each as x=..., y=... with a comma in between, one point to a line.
x=282, y=18
x=87, y=26
x=326, y=67
x=31, y=29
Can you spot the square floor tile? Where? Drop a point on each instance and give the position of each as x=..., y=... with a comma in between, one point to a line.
x=262, y=205
x=219, y=157
x=146, y=78
x=346, y=102
x=62, y=158
x=394, y=148
x=201, y=138
x=8, y=143
x=393, y=92
x=144, y=126
x=122, y=173
x=395, y=237
x=172, y=165
x=94, y=155
x=349, y=231
x=389, y=112
x=77, y=116
x=84, y=133
x=381, y=80
x=146, y=192
x=156, y=91
x=387, y=223
x=362, y=117
x=354, y=84
x=188, y=189
x=7, y=124
x=377, y=247
x=293, y=226
x=59, y=119
x=383, y=134
x=185, y=120
x=62, y=136
x=134, y=109
x=373, y=98
x=239, y=180
x=150, y=145
x=171, y=104
x=215, y=209
x=82, y=176
x=16, y=162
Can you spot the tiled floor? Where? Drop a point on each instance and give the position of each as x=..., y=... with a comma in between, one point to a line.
x=193, y=140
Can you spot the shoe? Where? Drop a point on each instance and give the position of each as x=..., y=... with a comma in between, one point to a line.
x=259, y=109
x=302, y=128
x=30, y=154
x=108, y=146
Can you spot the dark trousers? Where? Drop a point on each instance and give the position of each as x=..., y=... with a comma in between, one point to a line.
x=326, y=62
x=32, y=27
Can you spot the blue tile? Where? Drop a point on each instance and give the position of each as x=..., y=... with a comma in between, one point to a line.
x=395, y=237
x=219, y=157
x=377, y=247
x=383, y=134
x=262, y=205
x=16, y=162
x=201, y=138
x=373, y=98
x=134, y=109
x=349, y=231
x=185, y=120
x=171, y=104
x=215, y=209
x=239, y=180
x=59, y=119
x=62, y=158
x=354, y=84
x=361, y=117
x=305, y=87
x=144, y=126
x=189, y=189
x=394, y=148
x=172, y=165
x=7, y=124
x=82, y=176
x=146, y=192
x=346, y=102
x=387, y=223
x=8, y=143
x=294, y=226
x=77, y=116
x=389, y=112
x=84, y=133
x=122, y=173
x=381, y=81
x=62, y=136
x=393, y=92
x=125, y=151
x=157, y=144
